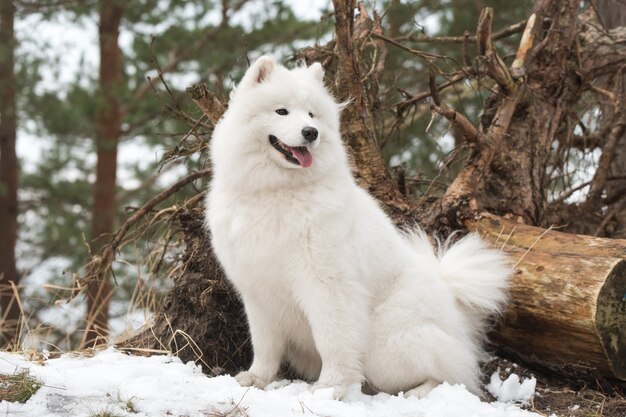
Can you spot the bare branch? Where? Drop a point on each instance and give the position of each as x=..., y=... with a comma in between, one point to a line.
x=508, y=31
x=525, y=43
x=602, y=173
x=432, y=86
x=100, y=264
x=496, y=68
x=621, y=204
x=461, y=76
x=466, y=127
x=586, y=142
x=615, y=101
x=204, y=98
x=465, y=184
x=570, y=192
x=466, y=58
x=425, y=55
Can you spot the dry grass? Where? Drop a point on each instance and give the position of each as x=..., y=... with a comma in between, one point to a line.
x=18, y=388
x=237, y=410
x=105, y=414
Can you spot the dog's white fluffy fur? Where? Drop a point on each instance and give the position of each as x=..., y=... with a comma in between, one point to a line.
x=328, y=283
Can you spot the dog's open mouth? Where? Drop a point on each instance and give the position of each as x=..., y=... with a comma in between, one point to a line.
x=298, y=155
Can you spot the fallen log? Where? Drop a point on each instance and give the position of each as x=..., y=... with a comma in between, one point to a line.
x=567, y=298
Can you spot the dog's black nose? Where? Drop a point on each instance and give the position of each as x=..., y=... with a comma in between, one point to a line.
x=309, y=133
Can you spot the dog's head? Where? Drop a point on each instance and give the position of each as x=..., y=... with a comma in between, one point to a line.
x=285, y=118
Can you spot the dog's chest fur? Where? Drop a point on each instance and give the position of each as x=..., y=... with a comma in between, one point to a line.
x=276, y=236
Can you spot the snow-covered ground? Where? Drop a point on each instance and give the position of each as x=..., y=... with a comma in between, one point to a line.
x=131, y=386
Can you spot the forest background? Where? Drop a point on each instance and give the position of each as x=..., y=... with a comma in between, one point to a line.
x=61, y=117
x=95, y=121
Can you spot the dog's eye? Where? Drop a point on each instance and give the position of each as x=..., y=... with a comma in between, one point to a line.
x=282, y=112
x=310, y=115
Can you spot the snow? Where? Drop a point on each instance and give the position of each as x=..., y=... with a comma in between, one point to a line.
x=511, y=389
x=123, y=385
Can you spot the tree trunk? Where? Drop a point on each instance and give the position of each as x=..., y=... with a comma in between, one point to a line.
x=109, y=119
x=9, y=169
x=567, y=296
x=358, y=123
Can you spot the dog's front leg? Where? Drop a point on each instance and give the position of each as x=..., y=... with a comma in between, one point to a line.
x=267, y=344
x=338, y=315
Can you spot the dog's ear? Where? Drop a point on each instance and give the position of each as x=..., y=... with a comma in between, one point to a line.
x=259, y=71
x=317, y=70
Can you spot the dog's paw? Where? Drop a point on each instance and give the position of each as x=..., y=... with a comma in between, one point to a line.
x=341, y=390
x=248, y=379
x=338, y=391
x=422, y=390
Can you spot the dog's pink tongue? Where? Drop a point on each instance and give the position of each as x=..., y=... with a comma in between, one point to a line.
x=303, y=156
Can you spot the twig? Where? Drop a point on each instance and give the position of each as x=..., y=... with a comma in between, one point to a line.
x=608, y=94
x=462, y=76
x=173, y=105
x=516, y=28
x=616, y=209
x=532, y=245
x=586, y=142
x=430, y=182
x=466, y=58
x=193, y=128
x=569, y=193
x=425, y=55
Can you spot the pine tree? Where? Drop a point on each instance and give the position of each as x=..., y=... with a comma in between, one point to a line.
x=9, y=170
x=108, y=129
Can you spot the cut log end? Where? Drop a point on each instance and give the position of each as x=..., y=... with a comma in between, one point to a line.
x=611, y=319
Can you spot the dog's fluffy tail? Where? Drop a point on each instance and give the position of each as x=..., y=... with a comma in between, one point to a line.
x=476, y=274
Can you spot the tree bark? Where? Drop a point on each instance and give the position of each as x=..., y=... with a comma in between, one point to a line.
x=9, y=169
x=358, y=123
x=109, y=119
x=567, y=296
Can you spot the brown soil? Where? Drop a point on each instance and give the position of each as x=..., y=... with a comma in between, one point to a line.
x=564, y=397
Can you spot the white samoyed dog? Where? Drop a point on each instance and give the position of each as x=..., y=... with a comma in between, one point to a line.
x=329, y=285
